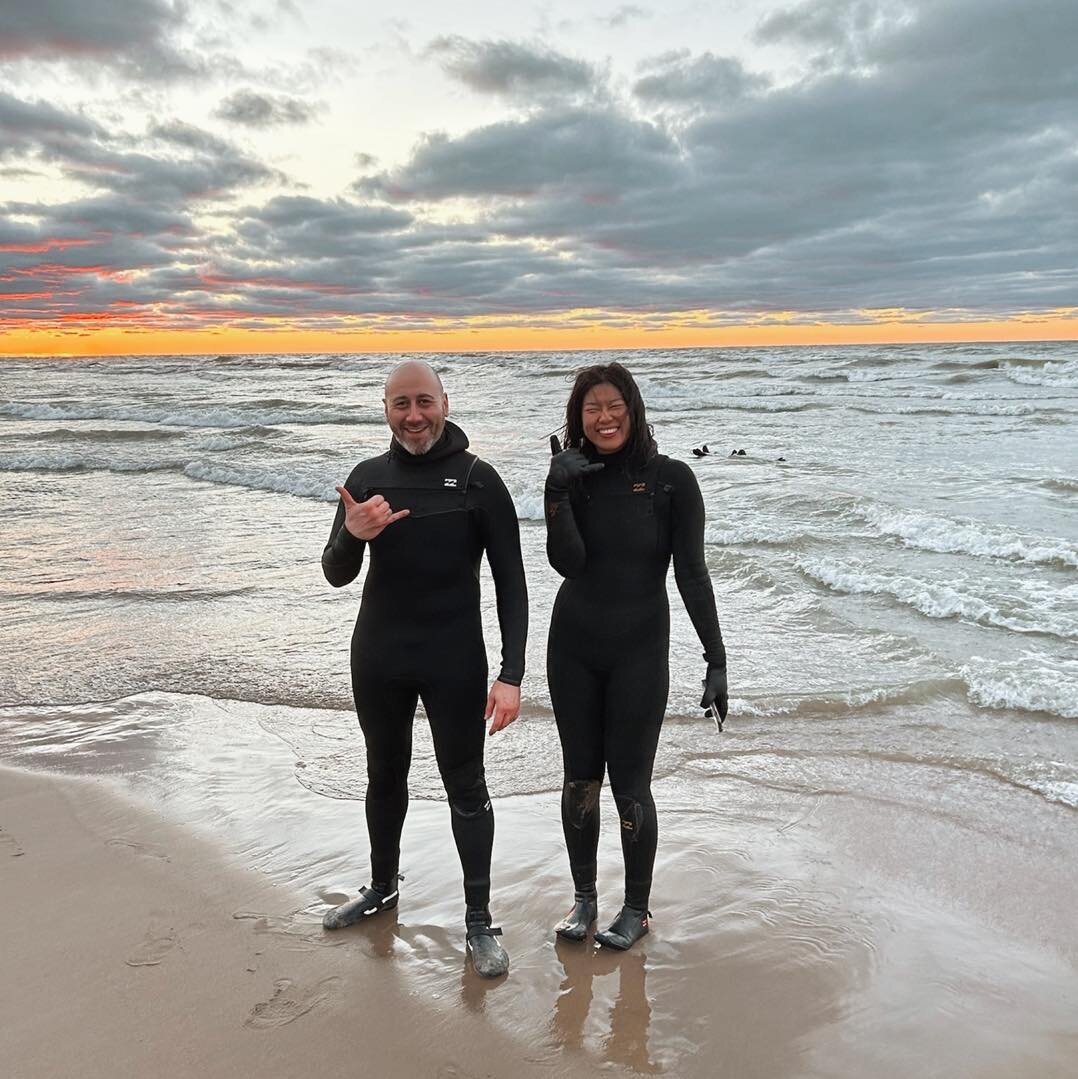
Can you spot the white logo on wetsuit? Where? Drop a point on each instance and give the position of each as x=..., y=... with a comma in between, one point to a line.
x=449, y=481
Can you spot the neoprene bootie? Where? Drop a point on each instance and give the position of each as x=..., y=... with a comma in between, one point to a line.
x=370, y=901
x=626, y=929
x=575, y=925
x=489, y=958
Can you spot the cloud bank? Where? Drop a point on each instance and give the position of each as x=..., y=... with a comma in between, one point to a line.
x=923, y=157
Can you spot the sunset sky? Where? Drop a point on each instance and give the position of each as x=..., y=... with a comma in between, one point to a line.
x=216, y=176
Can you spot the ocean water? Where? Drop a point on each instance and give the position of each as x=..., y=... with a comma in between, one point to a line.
x=895, y=557
x=876, y=858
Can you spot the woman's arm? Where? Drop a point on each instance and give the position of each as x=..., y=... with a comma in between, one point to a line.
x=690, y=566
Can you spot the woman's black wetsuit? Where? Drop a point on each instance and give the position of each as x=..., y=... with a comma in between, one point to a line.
x=612, y=536
x=419, y=635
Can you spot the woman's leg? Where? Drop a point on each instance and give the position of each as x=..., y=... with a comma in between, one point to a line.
x=635, y=705
x=576, y=693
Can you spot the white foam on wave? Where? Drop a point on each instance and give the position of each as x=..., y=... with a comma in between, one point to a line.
x=76, y=462
x=936, y=599
x=982, y=409
x=190, y=417
x=762, y=534
x=1063, y=374
x=262, y=479
x=530, y=507
x=1036, y=683
x=950, y=535
x=844, y=701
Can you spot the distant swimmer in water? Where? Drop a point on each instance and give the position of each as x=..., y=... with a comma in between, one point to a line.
x=617, y=511
x=738, y=453
x=702, y=451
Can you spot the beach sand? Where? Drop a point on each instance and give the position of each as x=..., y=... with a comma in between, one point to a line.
x=831, y=935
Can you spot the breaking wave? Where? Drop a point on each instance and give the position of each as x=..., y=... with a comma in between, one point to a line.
x=945, y=535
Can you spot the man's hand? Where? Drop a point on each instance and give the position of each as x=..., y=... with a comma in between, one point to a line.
x=365, y=520
x=503, y=703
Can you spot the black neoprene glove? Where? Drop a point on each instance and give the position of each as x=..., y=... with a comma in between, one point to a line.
x=715, y=689
x=567, y=465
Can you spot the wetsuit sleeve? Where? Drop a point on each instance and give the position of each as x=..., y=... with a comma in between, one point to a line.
x=342, y=555
x=690, y=566
x=565, y=549
x=501, y=539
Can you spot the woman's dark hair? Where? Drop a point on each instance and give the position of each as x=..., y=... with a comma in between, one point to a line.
x=641, y=442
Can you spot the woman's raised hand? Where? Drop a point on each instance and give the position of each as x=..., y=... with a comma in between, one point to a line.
x=567, y=465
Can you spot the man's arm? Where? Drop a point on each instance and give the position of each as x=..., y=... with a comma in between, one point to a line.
x=501, y=538
x=342, y=555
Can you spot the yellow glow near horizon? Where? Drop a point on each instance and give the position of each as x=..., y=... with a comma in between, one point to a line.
x=688, y=330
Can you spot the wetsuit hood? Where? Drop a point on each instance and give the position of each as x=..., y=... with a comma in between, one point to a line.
x=453, y=440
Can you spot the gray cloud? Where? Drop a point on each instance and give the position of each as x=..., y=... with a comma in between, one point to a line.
x=705, y=80
x=137, y=35
x=924, y=160
x=625, y=14
x=512, y=68
x=252, y=109
x=596, y=153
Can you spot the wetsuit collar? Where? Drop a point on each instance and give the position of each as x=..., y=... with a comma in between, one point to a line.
x=453, y=440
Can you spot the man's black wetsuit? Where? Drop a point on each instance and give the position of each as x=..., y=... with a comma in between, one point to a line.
x=612, y=536
x=419, y=634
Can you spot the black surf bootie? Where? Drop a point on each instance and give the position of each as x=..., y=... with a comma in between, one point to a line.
x=575, y=925
x=489, y=958
x=626, y=929
x=370, y=901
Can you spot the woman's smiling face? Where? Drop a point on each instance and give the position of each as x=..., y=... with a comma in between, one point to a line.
x=606, y=418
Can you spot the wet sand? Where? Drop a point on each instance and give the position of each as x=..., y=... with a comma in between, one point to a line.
x=796, y=931
x=132, y=949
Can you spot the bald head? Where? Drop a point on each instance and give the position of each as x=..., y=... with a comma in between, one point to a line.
x=412, y=371
x=416, y=405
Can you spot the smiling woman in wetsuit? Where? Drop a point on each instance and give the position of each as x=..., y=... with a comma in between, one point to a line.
x=617, y=512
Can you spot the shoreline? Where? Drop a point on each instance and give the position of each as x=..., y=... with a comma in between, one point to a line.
x=797, y=931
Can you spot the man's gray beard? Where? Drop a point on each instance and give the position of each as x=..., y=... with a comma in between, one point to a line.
x=427, y=445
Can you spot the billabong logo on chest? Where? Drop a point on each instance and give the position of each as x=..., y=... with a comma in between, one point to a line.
x=640, y=488
x=449, y=481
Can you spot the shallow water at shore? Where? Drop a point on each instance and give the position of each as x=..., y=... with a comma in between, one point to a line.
x=802, y=925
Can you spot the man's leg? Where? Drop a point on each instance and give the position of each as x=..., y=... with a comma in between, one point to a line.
x=454, y=706
x=386, y=710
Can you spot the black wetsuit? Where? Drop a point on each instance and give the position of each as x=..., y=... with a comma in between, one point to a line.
x=612, y=536
x=419, y=634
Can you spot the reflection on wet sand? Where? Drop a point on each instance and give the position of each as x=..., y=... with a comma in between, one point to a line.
x=629, y=1018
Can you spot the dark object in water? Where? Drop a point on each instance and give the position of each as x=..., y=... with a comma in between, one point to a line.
x=703, y=451
x=738, y=453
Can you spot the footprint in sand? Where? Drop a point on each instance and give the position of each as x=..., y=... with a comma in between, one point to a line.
x=149, y=850
x=154, y=948
x=289, y=1002
x=14, y=848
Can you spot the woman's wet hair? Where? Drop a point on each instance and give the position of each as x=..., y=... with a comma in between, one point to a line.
x=640, y=445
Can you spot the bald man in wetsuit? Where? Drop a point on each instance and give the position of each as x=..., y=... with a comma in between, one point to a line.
x=428, y=510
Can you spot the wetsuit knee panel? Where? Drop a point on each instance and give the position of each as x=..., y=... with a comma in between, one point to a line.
x=580, y=799
x=631, y=813
x=466, y=787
